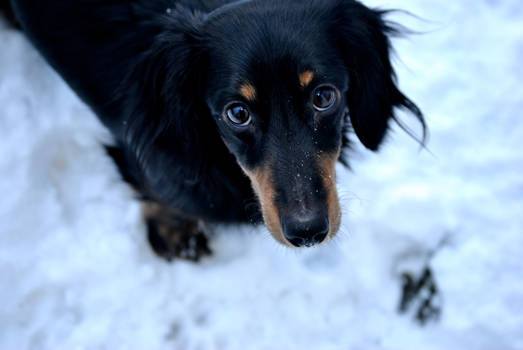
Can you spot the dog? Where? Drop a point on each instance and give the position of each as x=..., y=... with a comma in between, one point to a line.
x=227, y=111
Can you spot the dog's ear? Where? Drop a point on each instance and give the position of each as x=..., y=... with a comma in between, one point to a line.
x=164, y=89
x=362, y=36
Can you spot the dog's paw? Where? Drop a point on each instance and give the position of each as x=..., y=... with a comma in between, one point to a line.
x=173, y=236
x=184, y=242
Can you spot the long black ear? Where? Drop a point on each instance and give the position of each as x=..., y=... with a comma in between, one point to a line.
x=163, y=92
x=373, y=94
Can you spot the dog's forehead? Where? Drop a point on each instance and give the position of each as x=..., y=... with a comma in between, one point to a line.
x=267, y=60
x=256, y=50
x=260, y=80
x=264, y=79
x=266, y=33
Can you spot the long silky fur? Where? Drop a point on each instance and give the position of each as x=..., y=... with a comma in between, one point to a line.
x=142, y=67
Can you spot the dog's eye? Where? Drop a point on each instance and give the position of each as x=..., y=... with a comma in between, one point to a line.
x=323, y=98
x=238, y=115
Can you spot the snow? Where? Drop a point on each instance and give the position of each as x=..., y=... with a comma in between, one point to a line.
x=76, y=271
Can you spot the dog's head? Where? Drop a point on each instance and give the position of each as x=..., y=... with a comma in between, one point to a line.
x=282, y=79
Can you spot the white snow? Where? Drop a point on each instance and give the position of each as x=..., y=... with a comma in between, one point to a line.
x=76, y=271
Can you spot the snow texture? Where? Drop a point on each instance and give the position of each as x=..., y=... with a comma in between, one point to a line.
x=76, y=271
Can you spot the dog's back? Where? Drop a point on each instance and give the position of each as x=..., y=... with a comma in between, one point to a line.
x=91, y=44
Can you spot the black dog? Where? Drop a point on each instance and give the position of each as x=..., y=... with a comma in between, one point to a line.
x=199, y=94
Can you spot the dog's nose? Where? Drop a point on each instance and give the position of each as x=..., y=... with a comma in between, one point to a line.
x=305, y=230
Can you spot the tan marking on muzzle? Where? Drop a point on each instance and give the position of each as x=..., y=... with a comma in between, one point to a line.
x=327, y=166
x=306, y=78
x=261, y=181
x=248, y=91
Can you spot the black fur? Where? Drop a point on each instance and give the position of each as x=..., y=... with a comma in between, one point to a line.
x=7, y=12
x=159, y=73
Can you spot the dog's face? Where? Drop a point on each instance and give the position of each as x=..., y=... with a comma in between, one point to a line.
x=278, y=97
x=280, y=79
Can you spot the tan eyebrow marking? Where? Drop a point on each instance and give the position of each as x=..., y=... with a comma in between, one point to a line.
x=306, y=78
x=248, y=91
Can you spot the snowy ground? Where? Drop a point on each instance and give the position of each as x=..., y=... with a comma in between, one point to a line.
x=76, y=271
